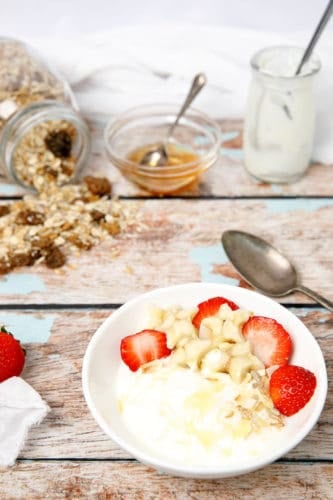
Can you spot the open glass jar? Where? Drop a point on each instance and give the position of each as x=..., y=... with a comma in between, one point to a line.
x=280, y=117
x=43, y=137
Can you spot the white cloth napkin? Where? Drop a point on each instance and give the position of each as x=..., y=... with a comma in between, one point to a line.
x=129, y=66
x=20, y=408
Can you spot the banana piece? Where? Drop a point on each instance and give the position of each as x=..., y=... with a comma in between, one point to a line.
x=213, y=361
x=231, y=332
x=194, y=351
x=240, y=348
x=211, y=328
x=179, y=332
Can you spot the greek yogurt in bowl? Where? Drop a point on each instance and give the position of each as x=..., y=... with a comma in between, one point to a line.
x=186, y=413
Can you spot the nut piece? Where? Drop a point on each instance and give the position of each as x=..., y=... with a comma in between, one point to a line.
x=29, y=217
x=100, y=186
x=54, y=258
x=112, y=228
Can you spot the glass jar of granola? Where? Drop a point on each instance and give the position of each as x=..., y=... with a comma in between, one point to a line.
x=43, y=137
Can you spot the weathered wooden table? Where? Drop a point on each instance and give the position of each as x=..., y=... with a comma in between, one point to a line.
x=55, y=315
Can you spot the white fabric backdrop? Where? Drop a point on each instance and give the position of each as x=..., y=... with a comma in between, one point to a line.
x=73, y=17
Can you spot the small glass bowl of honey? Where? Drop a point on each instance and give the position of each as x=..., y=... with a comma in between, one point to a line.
x=192, y=149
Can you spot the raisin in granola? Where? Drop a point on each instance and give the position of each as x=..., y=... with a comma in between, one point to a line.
x=99, y=186
x=54, y=257
x=59, y=143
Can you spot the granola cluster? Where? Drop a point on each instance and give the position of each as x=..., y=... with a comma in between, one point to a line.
x=60, y=221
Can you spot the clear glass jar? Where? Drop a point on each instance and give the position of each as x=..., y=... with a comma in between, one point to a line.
x=280, y=116
x=43, y=137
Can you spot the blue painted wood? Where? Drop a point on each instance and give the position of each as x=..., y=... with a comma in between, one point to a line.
x=21, y=283
x=28, y=328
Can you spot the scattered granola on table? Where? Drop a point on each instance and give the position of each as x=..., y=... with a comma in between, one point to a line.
x=59, y=221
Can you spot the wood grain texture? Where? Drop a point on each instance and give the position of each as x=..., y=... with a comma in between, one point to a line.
x=69, y=431
x=173, y=230
x=132, y=481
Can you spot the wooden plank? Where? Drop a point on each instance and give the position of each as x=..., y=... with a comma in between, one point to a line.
x=179, y=243
x=53, y=368
x=132, y=481
x=227, y=178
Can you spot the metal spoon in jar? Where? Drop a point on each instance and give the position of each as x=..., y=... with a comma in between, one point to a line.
x=158, y=155
x=315, y=37
x=264, y=267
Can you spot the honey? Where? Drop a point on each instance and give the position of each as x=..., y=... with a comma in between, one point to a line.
x=177, y=155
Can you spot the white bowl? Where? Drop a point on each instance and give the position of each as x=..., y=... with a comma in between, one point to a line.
x=102, y=360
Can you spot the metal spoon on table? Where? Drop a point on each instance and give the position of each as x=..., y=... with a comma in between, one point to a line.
x=158, y=155
x=264, y=267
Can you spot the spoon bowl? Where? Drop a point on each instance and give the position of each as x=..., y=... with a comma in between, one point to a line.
x=264, y=267
x=158, y=155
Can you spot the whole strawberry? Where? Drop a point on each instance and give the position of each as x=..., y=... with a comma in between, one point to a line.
x=12, y=356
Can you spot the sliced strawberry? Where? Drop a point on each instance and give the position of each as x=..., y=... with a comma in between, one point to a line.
x=209, y=308
x=142, y=347
x=291, y=388
x=270, y=342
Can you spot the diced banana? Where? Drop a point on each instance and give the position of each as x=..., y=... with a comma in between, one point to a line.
x=180, y=329
x=205, y=332
x=167, y=320
x=226, y=346
x=231, y=332
x=211, y=328
x=155, y=316
x=195, y=349
x=179, y=357
x=240, y=316
x=238, y=367
x=240, y=348
x=225, y=312
x=185, y=314
x=214, y=360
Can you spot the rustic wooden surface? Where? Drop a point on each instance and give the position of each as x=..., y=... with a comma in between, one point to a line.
x=55, y=315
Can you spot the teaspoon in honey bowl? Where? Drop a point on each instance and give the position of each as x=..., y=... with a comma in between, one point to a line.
x=157, y=156
x=264, y=267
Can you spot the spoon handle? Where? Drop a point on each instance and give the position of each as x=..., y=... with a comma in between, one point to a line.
x=199, y=81
x=315, y=296
x=320, y=28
